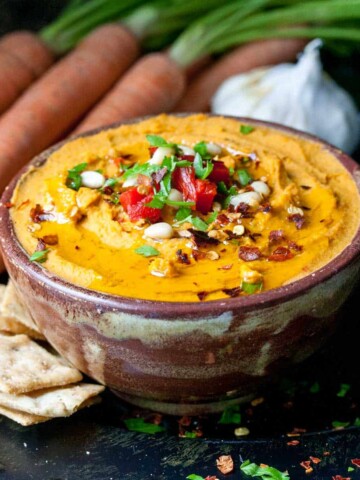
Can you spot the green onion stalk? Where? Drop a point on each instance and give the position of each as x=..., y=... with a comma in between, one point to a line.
x=223, y=29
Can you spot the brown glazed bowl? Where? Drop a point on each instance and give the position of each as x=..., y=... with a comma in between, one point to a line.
x=183, y=358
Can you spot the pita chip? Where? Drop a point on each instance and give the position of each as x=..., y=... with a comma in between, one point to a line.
x=25, y=419
x=25, y=366
x=13, y=311
x=53, y=402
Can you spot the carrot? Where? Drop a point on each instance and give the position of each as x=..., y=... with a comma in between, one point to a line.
x=51, y=106
x=246, y=57
x=153, y=85
x=23, y=58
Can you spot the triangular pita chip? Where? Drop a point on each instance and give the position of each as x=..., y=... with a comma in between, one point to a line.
x=25, y=366
x=15, y=314
x=53, y=402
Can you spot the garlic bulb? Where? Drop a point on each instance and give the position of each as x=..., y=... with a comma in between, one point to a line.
x=298, y=95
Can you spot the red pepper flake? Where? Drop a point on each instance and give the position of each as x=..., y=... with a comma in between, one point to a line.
x=202, y=238
x=226, y=267
x=326, y=454
x=154, y=418
x=281, y=254
x=223, y=220
x=202, y=295
x=183, y=257
x=185, y=421
x=232, y=292
x=249, y=254
x=50, y=239
x=295, y=246
x=108, y=190
x=293, y=443
x=197, y=255
x=9, y=204
x=265, y=207
x=296, y=432
x=38, y=215
x=315, y=460
x=356, y=462
x=276, y=236
x=339, y=477
x=242, y=208
x=298, y=219
x=306, y=465
x=211, y=477
x=225, y=464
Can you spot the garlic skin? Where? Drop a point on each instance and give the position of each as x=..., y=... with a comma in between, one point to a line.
x=298, y=95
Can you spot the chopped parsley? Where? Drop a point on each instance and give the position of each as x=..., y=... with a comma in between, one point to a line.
x=199, y=224
x=182, y=214
x=202, y=171
x=338, y=424
x=246, y=129
x=39, y=256
x=315, y=388
x=263, y=472
x=231, y=415
x=193, y=476
x=251, y=287
x=110, y=182
x=73, y=179
x=139, y=425
x=344, y=388
x=156, y=141
x=141, y=168
x=202, y=150
x=147, y=251
x=244, y=177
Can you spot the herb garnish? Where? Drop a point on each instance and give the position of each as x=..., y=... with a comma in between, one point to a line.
x=141, y=168
x=230, y=415
x=110, y=182
x=147, y=251
x=73, y=179
x=139, y=425
x=244, y=177
x=202, y=171
x=156, y=141
x=39, y=256
x=202, y=150
x=193, y=476
x=263, y=472
x=344, y=388
x=246, y=129
x=251, y=287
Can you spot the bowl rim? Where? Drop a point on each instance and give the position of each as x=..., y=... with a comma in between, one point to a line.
x=151, y=308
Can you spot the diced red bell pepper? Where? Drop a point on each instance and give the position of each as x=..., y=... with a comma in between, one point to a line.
x=202, y=192
x=220, y=173
x=134, y=204
x=183, y=179
x=205, y=193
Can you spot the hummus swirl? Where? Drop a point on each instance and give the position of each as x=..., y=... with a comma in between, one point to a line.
x=306, y=210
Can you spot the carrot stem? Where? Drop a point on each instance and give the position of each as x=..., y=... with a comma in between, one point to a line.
x=70, y=27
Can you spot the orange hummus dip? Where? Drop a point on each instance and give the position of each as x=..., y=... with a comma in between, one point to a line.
x=190, y=208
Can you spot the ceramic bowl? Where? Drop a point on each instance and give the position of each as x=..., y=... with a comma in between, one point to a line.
x=183, y=358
